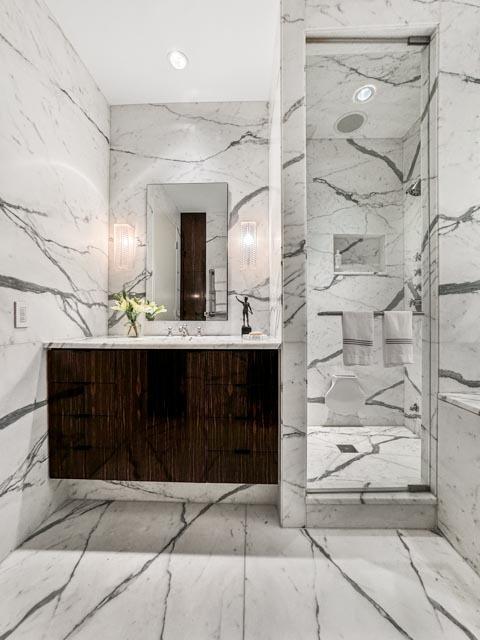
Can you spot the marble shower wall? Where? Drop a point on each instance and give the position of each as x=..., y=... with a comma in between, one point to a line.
x=353, y=187
x=54, y=154
x=194, y=142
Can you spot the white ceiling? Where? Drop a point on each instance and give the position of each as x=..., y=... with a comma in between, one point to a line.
x=124, y=44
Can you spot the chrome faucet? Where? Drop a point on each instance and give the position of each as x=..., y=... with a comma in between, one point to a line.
x=183, y=329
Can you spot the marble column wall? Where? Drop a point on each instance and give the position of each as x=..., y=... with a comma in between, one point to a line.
x=54, y=153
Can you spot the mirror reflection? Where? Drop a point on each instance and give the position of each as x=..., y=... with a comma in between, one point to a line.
x=187, y=249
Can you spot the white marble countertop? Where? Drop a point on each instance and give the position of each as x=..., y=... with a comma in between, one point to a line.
x=164, y=342
x=468, y=401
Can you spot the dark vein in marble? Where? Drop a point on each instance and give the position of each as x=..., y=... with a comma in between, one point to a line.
x=431, y=93
x=414, y=162
x=11, y=212
x=56, y=86
x=223, y=123
x=235, y=212
x=252, y=293
x=70, y=301
x=456, y=288
x=399, y=83
x=289, y=319
x=462, y=76
x=336, y=279
x=300, y=250
x=57, y=593
x=294, y=160
x=347, y=463
x=458, y=377
x=395, y=301
x=436, y=606
x=356, y=587
x=455, y=221
x=288, y=20
x=291, y=110
x=360, y=199
x=78, y=510
x=407, y=375
x=80, y=108
x=331, y=356
x=18, y=480
x=375, y=154
x=168, y=546
x=246, y=138
x=12, y=417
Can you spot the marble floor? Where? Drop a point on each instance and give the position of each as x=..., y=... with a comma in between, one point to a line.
x=384, y=458
x=149, y=570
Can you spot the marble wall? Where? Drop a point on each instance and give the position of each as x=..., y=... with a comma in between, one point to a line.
x=54, y=154
x=458, y=476
x=194, y=142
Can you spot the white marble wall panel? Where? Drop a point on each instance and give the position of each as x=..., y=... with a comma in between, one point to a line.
x=275, y=194
x=194, y=142
x=293, y=396
x=458, y=480
x=54, y=151
x=459, y=195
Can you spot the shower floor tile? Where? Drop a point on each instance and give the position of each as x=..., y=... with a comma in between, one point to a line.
x=150, y=571
x=385, y=458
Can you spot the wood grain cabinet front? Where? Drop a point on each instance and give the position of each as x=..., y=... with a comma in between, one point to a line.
x=163, y=415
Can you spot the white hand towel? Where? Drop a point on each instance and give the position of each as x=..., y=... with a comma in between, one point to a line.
x=397, y=338
x=357, y=337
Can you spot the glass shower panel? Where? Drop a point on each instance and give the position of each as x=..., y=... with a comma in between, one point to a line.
x=365, y=226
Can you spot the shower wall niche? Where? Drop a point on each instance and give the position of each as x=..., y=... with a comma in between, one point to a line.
x=364, y=246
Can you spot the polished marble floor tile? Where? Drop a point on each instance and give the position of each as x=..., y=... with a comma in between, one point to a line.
x=383, y=458
x=137, y=570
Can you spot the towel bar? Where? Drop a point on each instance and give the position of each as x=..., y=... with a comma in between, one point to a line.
x=375, y=313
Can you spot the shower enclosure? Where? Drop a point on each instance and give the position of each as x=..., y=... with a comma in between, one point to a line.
x=367, y=250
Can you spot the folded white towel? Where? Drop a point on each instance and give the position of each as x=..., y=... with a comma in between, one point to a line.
x=397, y=338
x=357, y=337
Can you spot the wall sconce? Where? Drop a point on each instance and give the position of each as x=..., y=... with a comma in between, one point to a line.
x=123, y=246
x=248, y=243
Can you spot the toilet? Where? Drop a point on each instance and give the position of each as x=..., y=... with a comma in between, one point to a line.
x=345, y=394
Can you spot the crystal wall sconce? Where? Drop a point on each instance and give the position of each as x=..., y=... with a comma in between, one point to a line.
x=123, y=246
x=248, y=244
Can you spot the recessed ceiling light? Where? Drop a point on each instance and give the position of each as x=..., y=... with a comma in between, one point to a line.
x=177, y=59
x=365, y=93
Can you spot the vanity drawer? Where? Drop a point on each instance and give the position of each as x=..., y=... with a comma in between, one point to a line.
x=241, y=367
x=225, y=434
x=82, y=399
x=69, y=432
x=82, y=365
x=242, y=466
x=83, y=462
x=237, y=401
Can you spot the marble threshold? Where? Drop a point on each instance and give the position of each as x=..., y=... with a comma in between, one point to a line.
x=468, y=401
x=166, y=342
x=123, y=570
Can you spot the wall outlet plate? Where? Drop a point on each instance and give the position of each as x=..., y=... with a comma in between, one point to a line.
x=20, y=314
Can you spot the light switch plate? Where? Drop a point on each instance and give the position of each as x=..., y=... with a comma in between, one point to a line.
x=20, y=314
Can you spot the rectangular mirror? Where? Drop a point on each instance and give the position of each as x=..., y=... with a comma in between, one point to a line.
x=187, y=249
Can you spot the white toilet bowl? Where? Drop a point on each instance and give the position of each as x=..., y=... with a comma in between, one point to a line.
x=345, y=395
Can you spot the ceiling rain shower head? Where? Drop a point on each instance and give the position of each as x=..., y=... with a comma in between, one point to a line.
x=415, y=189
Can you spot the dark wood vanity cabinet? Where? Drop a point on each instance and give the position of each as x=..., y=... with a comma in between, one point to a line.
x=164, y=415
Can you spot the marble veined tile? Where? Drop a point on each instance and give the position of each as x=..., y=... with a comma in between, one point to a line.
x=384, y=457
x=221, y=572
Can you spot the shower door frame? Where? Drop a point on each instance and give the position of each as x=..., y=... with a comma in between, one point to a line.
x=429, y=154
